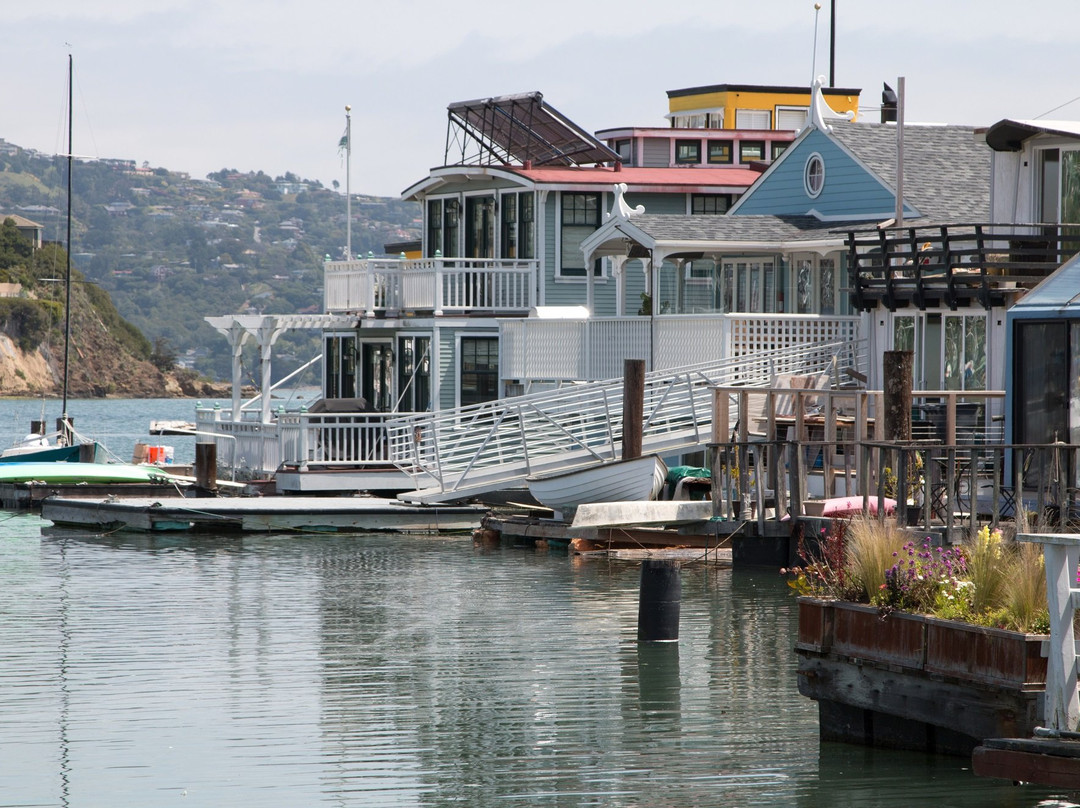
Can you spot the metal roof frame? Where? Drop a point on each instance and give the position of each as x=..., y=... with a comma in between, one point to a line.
x=519, y=130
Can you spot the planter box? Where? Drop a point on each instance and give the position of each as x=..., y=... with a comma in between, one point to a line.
x=860, y=631
x=976, y=654
x=815, y=625
x=988, y=655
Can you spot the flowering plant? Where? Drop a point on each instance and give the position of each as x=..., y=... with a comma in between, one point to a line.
x=926, y=579
x=987, y=580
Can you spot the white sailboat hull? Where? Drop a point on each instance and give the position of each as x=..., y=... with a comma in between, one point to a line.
x=621, y=481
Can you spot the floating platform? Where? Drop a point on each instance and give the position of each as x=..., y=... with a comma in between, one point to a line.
x=1046, y=761
x=260, y=514
x=647, y=542
x=30, y=495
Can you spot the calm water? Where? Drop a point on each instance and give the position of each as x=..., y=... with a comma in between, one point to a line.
x=376, y=670
x=116, y=424
x=388, y=670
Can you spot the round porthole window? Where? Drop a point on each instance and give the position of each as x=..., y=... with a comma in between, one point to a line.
x=814, y=175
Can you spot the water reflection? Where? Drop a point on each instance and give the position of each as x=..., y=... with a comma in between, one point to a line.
x=379, y=670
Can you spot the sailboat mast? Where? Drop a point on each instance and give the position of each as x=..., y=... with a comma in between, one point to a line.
x=67, y=278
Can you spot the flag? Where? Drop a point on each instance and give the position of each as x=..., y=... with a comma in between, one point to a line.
x=343, y=144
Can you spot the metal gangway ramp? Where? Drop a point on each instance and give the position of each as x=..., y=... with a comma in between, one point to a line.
x=498, y=444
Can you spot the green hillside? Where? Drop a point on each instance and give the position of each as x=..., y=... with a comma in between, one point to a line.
x=172, y=249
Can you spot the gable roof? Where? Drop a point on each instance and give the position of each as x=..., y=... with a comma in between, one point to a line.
x=946, y=168
x=946, y=171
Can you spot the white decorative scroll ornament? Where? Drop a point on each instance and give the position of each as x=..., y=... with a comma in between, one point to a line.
x=820, y=111
x=620, y=208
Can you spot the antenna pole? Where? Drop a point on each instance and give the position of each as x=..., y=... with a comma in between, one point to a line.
x=832, y=43
x=813, y=67
x=67, y=280
x=348, y=176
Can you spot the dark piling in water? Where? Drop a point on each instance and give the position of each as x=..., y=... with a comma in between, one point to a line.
x=659, y=601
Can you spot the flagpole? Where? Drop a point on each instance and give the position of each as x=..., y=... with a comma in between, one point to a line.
x=348, y=191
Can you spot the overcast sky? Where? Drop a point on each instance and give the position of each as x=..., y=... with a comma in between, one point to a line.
x=262, y=84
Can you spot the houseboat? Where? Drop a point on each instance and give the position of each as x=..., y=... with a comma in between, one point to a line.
x=550, y=256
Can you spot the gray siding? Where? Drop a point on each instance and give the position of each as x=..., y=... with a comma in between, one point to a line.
x=659, y=203
x=656, y=152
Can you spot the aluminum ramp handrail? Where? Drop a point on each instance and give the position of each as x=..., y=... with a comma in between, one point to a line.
x=498, y=444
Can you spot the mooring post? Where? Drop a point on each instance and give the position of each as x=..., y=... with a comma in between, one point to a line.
x=1061, y=552
x=898, y=367
x=633, y=408
x=659, y=601
x=206, y=469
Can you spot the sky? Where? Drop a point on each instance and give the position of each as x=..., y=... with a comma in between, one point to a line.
x=199, y=86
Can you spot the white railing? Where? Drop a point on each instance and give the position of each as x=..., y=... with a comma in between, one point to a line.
x=498, y=444
x=353, y=440
x=384, y=285
x=248, y=445
x=297, y=439
x=587, y=350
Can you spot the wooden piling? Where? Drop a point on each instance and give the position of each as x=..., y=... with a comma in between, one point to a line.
x=206, y=469
x=633, y=407
x=898, y=367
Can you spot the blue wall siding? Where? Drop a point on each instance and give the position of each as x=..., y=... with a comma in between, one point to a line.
x=850, y=190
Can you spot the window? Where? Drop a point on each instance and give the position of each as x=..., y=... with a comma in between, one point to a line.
x=340, y=355
x=517, y=226
x=479, y=369
x=687, y=151
x=753, y=119
x=748, y=285
x=580, y=217
x=709, y=203
x=625, y=150
x=414, y=374
x=451, y=218
x=719, y=151
x=965, y=352
x=751, y=150
x=527, y=225
x=509, y=230
x=376, y=384
x=434, y=227
x=779, y=148
x=480, y=227
x=791, y=118
x=814, y=175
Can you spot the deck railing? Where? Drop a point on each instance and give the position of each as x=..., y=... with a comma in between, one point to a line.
x=349, y=440
x=533, y=349
x=955, y=264
x=249, y=446
x=958, y=487
x=386, y=286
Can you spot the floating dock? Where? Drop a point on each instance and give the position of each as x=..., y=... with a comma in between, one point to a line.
x=260, y=514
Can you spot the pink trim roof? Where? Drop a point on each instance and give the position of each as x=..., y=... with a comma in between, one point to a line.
x=658, y=178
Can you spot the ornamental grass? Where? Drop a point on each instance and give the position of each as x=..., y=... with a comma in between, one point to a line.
x=988, y=580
